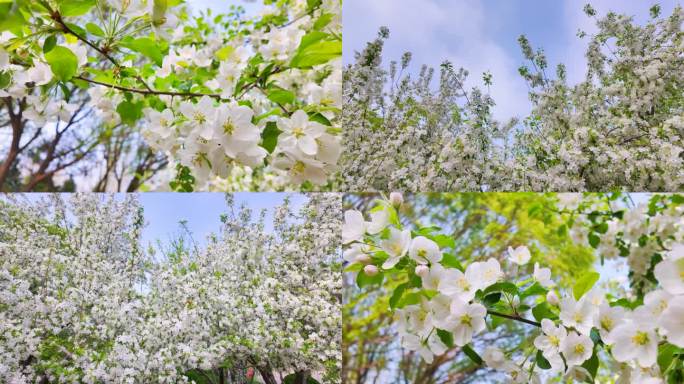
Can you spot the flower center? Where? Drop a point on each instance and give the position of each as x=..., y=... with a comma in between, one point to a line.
x=298, y=167
x=466, y=319
x=641, y=338
x=463, y=284
x=397, y=248
x=199, y=117
x=163, y=122
x=298, y=132
x=554, y=340
x=228, y=127
x=422, y=253
x=578, y=317
x=607, y=323
x=579, y=349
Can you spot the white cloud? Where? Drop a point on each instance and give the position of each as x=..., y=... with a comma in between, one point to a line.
x=436, y=30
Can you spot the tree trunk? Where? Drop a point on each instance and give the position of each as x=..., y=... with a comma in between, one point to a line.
x=267, y=374
x=301, y=377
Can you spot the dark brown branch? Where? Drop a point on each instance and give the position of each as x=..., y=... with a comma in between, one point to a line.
x=513, y=317
x=147, y=91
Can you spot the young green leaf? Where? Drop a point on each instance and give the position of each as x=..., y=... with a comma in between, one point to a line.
x=63, y=62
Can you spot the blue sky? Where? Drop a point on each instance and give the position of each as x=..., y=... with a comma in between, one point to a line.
x=202, y=211
x=482, y=35
x=164, y=211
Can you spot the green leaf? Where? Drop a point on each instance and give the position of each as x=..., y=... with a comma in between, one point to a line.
x=396, y=295
x=311, y=4
x=63, y=62
x=281, y=96
x=129, y=111
x=319, y=118
x=451, y=261
x=533, y=290
x=592, y=364
x=584, y=284
x=491, y=299
x=95, y=30
x=541, y=361
x=316, y=48
x=224, y=52
x=269, y=137
x=50, y=42
x=602, y=228
x=145, y=46
x=503, y=286
x=363, y=280
x=290, y=379
x=322, y=21
x=409, y=299
x=543, y=311
x=75, y=7
x=594, y=240
x=444, y=241
x=472, y=354
x=446, y=337
x=666, y=353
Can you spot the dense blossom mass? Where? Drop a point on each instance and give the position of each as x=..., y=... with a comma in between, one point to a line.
x=232, y=102
x=82, y=301
x=621, y=127
x=442, y=301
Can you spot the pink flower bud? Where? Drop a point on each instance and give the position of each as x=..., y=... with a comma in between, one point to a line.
x=552, y=298
x=363, y=259
x=370, y=270
x=396, y=199
x=422, y=270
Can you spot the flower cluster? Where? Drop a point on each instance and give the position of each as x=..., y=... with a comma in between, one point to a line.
x=620, y=127
x=228, y=99
x=441, y=302
x=82, y=302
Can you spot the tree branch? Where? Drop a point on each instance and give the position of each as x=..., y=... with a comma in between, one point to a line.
x=513, y=317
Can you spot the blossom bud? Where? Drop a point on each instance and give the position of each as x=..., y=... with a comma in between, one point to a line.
x=362, y=259
x=370, y=270
x=422, y=270
x=516, y=301
x=396, y=199
x=552, y=298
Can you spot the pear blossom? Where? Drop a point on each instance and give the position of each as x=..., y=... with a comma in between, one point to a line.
x=379, y=221
x=576, y=348
x=543, y=276
x=354, y=226
x=670, y=274
x=549, y=343
x=635, y=340
x=520, y=255
x=577, y=314
x=396, y=246
x=300, y=132
x=494, y=357
x=461, y=285
x=464, y=321
x=609, y=318
x=671, y=322
x=424, y=250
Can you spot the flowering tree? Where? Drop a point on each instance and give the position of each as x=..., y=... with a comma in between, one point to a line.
x=83, y=302
x=619, y=128
x=579, y=331
x=230, y=102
